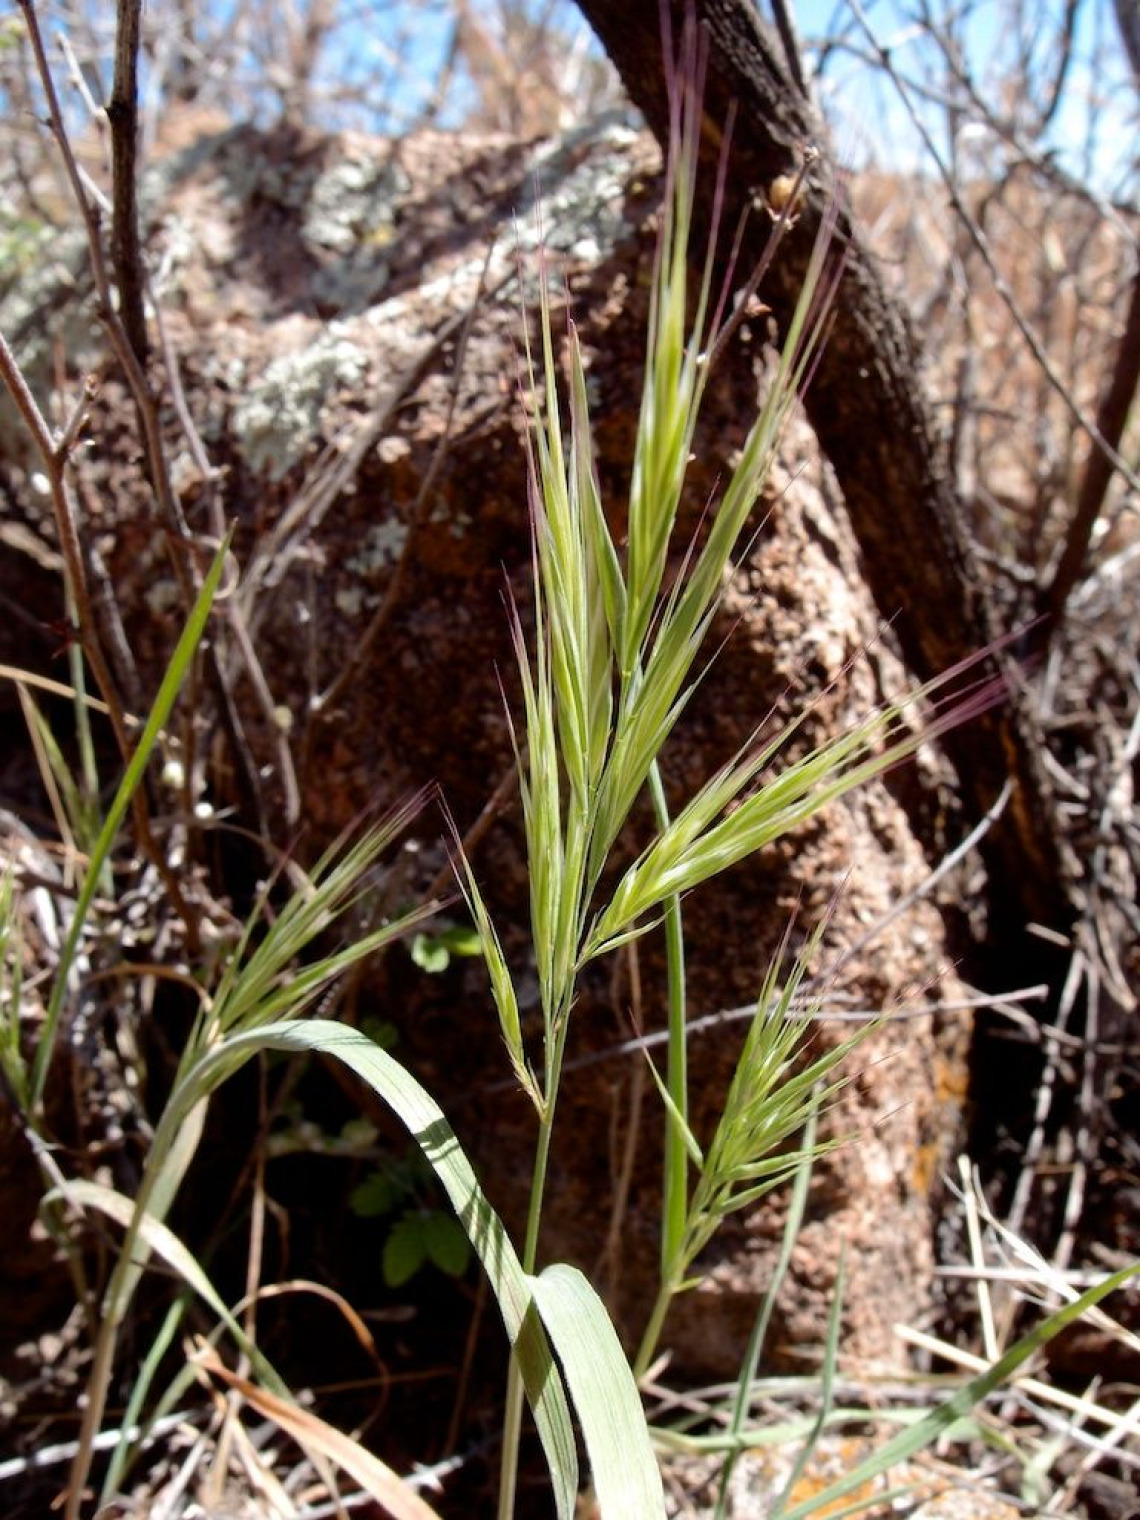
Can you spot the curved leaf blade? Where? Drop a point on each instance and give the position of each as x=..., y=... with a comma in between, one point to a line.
x=627, y=1480
x=425, y=1121
x=160, y=1239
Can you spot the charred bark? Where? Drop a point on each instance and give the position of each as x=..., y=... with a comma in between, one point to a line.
x=867, y=406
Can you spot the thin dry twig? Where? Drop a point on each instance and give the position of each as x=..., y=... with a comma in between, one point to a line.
x=120, y=342
x=123, y=116
x=230, y=715
x=106, y=606
x=1112, y=418
x=55, y=462
x=185, y=568
x=1001, y=285
x=127, y=351
x=1047, y=1089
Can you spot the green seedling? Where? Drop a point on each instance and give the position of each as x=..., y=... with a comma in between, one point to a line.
x=434, y=950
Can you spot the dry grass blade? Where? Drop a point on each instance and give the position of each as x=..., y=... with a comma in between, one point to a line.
x=927, y=1430
x=317, y=1436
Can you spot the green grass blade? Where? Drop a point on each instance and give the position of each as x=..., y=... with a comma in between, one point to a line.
x=605, y=588
x=677, y=1119
x=425, y=1121
x=84, y=739
x=502, y=988
x=256, y=990
x=675, y=375
x=74, y=806
x=136, y=1416
x=915, y=1439
x=541, y=792
x=797, y=1206
x=13, y=1068
x=626, y=1478
x=263, y=983
x=162, y=1242
x=562, y=563
x=176, y=673
x=827, y=1392
x=679, y=1140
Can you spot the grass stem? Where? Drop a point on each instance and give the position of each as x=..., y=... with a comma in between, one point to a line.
x=675, y=1187
x=513, y=1412
x=656, y=1323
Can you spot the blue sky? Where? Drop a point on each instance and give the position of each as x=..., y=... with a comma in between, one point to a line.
x=871, y=122
x=388, y=53
x=1094, y=134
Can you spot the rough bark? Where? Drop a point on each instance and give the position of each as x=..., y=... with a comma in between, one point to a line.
x=868, y=410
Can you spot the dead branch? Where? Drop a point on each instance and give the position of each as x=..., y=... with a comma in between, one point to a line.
x=123, y=115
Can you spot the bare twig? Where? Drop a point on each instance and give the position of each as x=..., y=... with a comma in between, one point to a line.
x=1128, y=21
x=786, y=27
x=1043, y=1103
x=123, y=115
x=179, y=535
x=120, y=342
x=949, y=862
x=247, y=769
x=106, y=606
x=1082, y=1149
x=269, y=708
x=1066, y=38
x=55, y=462
x=1000, y=283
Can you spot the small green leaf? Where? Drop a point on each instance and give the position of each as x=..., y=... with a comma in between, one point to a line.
x=447, y=1245
x=433, y=953
x=380, y=1031
x=462, y=940
x=359, y=1133
x=430, y=953
x=378, y=1194
x=404, y=1251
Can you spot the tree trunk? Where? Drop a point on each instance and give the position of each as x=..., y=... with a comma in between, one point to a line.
x=867, y=407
